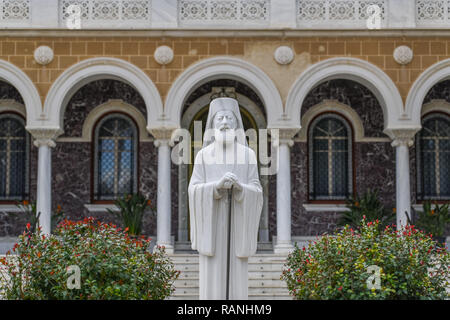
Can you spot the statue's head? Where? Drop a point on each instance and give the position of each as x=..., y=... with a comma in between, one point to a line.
x=225, y=124
x=224, y=118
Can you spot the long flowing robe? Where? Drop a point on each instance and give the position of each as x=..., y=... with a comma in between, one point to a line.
x=209, y=210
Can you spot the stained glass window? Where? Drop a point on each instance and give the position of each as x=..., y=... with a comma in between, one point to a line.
x=330, y=158
x=433, y=158
x=14, y=153
x=115, y=169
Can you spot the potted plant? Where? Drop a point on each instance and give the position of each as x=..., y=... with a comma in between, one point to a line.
x=367, y=206
x=29, y=209
x=434, y=220
x=131, y=211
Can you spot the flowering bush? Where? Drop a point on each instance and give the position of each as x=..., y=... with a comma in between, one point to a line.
x=111, y=265
x=369, y=264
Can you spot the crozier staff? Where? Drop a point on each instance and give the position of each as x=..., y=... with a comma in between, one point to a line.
x=224, y=163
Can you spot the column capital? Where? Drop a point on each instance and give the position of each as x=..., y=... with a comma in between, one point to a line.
x=45, y=136
x=401, y=137
x=283, y=136
x=163, y=136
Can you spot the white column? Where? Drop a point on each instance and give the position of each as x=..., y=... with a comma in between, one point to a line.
x=164, y=203
x=402, y=139
x=284, y=243
x=44, y=141
x=402, y=181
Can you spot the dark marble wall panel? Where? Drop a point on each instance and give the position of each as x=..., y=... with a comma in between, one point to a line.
x=374, y=169
x=94, y=94
x=71, y=181
x=7, y=91
x=354, y=95
x=440, y=90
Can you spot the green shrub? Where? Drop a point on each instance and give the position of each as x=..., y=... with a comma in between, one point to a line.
x=339, y=267
x=112, y=266
x=367, y=205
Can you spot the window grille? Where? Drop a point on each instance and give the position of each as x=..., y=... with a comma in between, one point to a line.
x=14, y=155
x=433, y=158
x=115, y=169
x=330, y=158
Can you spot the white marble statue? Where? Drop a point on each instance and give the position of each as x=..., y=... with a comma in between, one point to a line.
x=224, y=165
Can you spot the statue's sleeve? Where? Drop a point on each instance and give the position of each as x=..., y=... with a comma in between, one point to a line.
x=248, y=205
x=203, y=216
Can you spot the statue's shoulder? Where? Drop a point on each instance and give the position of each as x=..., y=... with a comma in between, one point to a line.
x=251, y=153
x=201, y=153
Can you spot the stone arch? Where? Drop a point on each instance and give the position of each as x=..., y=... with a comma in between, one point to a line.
x=113, y=105
x=438, y=72
x=334, y=106
x=97, y=69
x=223, y=68
x=23, y=84
x=363, y=72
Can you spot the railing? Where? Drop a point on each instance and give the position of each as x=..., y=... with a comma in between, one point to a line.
x=105, y=13
x=15, y=13
x=341, y=13
x=433, y=13
x=225, y=14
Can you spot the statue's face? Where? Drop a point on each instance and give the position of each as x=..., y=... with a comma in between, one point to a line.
x=224, y=124
x=224, y=120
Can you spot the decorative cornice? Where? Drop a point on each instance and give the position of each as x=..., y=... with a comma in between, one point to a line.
x=45, y=136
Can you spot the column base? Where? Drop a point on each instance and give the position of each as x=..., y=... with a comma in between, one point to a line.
x=283, y=248
x=169, y=248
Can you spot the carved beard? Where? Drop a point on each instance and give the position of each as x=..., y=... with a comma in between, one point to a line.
x=225, y=136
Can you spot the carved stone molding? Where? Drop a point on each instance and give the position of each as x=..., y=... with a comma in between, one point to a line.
x=401, y=136
x=403, y=55
x=43, y=55
x=44, y=136
x=162, y=136
x=283, y=55
x=283, y=136
x=163, y=55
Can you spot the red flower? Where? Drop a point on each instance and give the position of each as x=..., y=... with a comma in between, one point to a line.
x=340, y=288
x=28, y=226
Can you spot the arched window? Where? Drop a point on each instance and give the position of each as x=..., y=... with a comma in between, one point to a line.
x=433, y=158
x=14, y=155
x=330, y=158
x=115, y=157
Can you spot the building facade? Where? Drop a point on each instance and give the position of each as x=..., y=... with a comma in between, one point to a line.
x=92, y=91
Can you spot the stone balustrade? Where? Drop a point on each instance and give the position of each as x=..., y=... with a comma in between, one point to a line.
x=226, y=14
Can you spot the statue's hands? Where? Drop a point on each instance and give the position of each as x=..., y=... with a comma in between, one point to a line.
x=228, y=180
